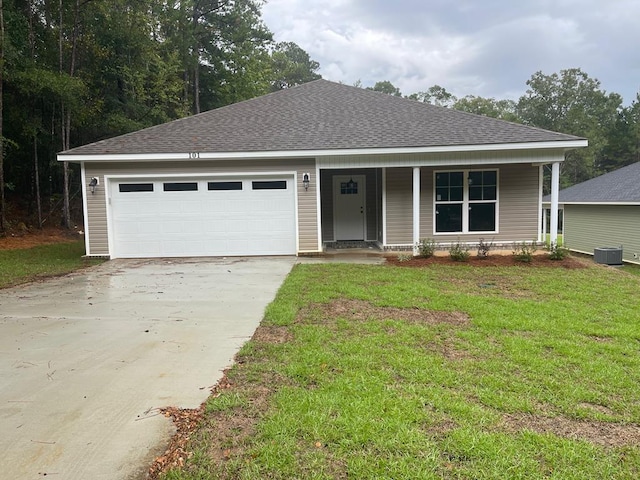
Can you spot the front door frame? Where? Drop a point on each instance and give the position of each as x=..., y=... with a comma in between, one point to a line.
x=339, y=214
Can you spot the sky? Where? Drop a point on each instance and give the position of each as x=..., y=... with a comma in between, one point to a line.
x=487, y=48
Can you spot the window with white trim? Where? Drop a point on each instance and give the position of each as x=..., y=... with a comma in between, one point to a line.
x=466, y=201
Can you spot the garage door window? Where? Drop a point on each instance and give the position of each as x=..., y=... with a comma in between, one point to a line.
x=135, y=187
x=181, y=187
x=270, y=185
x=225, y=186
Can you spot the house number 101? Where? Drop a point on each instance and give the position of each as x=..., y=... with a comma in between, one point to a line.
x=194, y=155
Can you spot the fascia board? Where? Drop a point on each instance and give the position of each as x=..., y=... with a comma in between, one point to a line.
x=195, y=156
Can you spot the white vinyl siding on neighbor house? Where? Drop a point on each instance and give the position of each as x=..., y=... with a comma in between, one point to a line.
x=587, y=227
x=96, y=224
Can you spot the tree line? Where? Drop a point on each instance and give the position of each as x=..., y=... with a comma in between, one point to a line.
x=568, y=102
x=77, y=71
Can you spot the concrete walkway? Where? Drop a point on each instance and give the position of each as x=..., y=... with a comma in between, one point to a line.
x=86, y=360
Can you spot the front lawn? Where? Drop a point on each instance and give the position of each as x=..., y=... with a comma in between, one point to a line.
x=454, y=372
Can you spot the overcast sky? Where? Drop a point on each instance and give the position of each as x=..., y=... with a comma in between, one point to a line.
x=488, y=48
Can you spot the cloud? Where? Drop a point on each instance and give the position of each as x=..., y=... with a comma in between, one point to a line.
x=489, y=48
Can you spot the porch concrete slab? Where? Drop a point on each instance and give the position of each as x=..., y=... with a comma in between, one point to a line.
x=87, y=360
x=362, y=257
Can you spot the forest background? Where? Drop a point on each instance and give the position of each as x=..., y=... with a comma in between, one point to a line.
x=78, y=71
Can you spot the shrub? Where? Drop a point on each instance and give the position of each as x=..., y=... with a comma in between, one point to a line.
x=484, y=248
x=427, y=247
x=523, y=252
x=556, y=252
x=459, y=253
x=404, y=257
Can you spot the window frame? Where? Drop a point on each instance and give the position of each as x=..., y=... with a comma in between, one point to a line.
x=466, y=203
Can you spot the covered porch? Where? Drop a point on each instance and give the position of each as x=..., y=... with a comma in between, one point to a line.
x=391, y=208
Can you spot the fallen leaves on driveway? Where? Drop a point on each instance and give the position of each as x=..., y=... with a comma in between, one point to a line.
x=186, y=421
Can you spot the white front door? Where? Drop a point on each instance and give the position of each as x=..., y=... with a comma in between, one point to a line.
x=349, y=207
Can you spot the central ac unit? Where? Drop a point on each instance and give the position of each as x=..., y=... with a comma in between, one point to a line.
x=608, y=255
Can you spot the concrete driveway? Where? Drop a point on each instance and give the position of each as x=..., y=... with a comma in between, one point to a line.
x=87, y=359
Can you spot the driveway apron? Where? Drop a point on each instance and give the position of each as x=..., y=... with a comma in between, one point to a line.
x=86, y=360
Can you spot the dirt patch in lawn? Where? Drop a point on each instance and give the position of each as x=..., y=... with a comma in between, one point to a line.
x=360, y=310
x=540, y=260
x=605, y=434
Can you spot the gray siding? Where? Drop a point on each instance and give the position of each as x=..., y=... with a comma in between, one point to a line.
x=399, y=206
x=587, y=227
x=518, y=205
x=326, y=205
x=96, y=203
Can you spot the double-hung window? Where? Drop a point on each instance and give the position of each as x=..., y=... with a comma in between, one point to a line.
x=466, y=201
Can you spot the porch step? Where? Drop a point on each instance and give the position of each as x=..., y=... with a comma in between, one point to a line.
x=351, y=244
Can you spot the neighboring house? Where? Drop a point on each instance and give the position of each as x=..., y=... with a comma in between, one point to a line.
x=604, y=212
x=289, y=172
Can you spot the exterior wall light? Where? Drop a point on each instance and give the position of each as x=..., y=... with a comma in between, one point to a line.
x=93, y=183
x=305, y=181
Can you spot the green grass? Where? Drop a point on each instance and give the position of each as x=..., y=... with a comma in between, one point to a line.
x=540, y=363
x=631, y=268
x=547, y=240
x=20, y=266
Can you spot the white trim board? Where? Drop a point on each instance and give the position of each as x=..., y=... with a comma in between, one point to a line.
x=280, y=154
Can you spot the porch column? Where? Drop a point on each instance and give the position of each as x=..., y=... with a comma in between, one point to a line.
x=555, y=189
x=416, y=209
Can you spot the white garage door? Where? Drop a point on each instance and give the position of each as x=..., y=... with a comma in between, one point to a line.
x=177, y=217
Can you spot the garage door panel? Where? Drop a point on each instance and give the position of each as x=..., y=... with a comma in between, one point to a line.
x=203, y=222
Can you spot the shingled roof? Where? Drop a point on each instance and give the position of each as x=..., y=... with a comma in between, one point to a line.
x=320, y=115
x=619, y=186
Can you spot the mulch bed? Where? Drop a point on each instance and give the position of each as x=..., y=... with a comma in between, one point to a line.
x=540, y=260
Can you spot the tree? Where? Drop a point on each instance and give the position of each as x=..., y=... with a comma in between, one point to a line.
x=623, y=141
x=3, y=219
x=435, y=95
x=572, y=102
x=386, y=87
x=223, y=49
x=292, y=66
x=489, y=107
